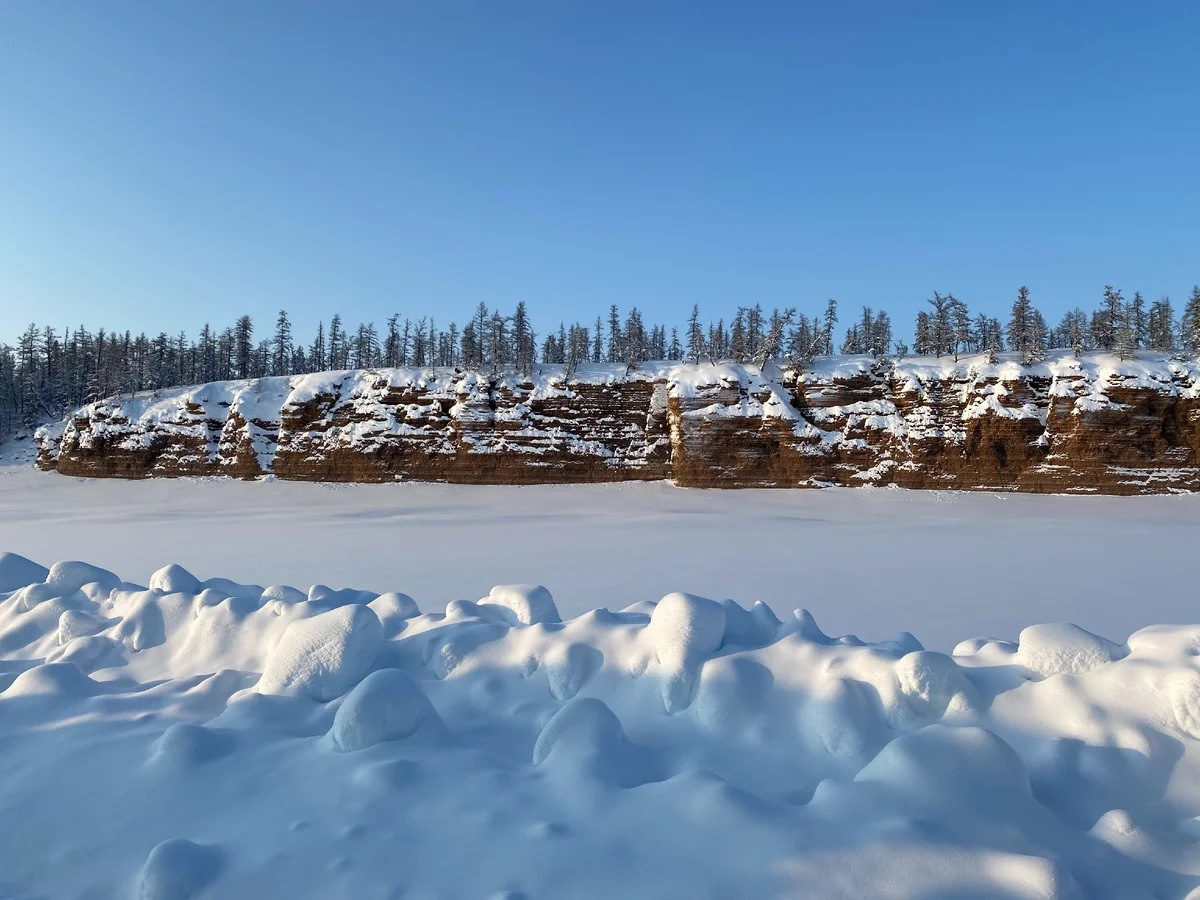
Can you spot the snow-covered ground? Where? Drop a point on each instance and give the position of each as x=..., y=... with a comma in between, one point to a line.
x=209, y=739
x=184, y=736
x=946, y=566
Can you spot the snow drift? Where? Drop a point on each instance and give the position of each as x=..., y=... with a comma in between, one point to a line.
x=203, y=738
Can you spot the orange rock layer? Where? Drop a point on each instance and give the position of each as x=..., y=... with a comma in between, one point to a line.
x=1094, y=424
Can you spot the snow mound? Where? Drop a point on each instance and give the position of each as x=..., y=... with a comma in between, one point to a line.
x=930, y=682
x=185, y=745
x=942, y=765
x=749, y=627
x=568, y=668
x=1063, y=649
x=387, y=705
x=174, y=579
x=17, y=571
x=324, y=656
x=393, y=611
x=732, y=693
x=684, y=630
x=523, y=604
x=178, y=870
x=839, y=719
x=583, y=728
x=75, y=623
x=68, y=577
x=63, y=680
x=324, y=597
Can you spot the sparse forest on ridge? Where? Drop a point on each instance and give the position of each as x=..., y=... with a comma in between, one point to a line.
x=48, y=372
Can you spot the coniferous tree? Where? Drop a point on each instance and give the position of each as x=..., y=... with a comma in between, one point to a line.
x=828, y=322
x=318, y=354
x=695, y=335
x=522, y=339
x=923, y=334
x=1138, y=323
x=339, y=352
x=282, y=345
x=391, y=342
x=243, y=346
x=1160, y=326
x=615, y=349
x=1190, y=330
x=1106, y=321
x=634, y=340
x=47, y=372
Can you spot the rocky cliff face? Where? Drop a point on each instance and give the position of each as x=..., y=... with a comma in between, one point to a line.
x=1091, y=424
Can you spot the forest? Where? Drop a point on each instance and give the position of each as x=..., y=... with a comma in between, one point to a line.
x=48, y=372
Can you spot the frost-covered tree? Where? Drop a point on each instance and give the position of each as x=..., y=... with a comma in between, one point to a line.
x=634, y=341
x=1138, y=323
x=339, y=345
x=827, y=324
x=317, y=353
x=1027, y=331
x=1160, y=326
x=738, y=348
x=923, y=334
x=695, y=335
x=1190, y=328
x=1072, y=331
x=616, y=349
x=281, y=345
x=598, y=341
x=243, y=347
x=391, y=342
x=1106, y=321
x=771, y=345
x=523, y=340
x=941, y=323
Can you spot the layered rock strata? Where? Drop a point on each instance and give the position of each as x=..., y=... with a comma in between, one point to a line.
x=1092, y=424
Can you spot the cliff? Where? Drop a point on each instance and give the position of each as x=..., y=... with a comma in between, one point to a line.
x=1091, y=424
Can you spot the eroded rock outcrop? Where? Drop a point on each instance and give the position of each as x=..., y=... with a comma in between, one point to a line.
x=1087, y=424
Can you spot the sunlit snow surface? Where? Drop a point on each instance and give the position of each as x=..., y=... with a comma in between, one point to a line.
x=193, y=736
x=207, y=738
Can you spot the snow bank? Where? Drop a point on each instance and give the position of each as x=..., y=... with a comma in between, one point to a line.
x=216, y=739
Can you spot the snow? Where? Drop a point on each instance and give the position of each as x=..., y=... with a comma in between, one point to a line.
x=859, y=559
x=523, y=604
x=387, y=705
x=189, y=709
x=324, y=656
x=545, y=762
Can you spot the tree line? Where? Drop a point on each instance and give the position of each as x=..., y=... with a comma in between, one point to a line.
x=48, y=373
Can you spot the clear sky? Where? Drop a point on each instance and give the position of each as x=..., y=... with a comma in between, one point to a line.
x=167, y=163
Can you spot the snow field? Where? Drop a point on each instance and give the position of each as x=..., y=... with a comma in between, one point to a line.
x=205, y=738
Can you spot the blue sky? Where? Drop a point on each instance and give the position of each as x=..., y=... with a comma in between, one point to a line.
x=167, y=164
